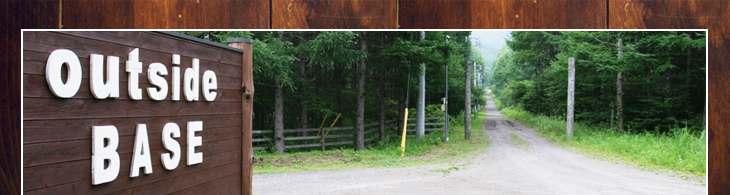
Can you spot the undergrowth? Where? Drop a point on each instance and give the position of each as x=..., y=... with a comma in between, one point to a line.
x=430, y=149
x=680, y=150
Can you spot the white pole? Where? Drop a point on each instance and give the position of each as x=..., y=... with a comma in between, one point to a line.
x=571, y=94
x=420, y=114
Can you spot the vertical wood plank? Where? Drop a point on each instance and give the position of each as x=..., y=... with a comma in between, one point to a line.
x=247, y=109
x=97, y=14
x=40, y=13
x=166, y=14
x=694, y=14
x=297, y=14
x=14, y=18
x=460, y=14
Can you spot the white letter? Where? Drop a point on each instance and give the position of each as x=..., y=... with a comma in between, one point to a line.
x=154, y=74
x=176, y=59
x=98, y=88
x=175, y=77
x=210, y=82
x=100, y=154
x=191, y=81
x=55, y=62
x=172, y=159
x=193, y=141
x=134, y=68
x=141, y=155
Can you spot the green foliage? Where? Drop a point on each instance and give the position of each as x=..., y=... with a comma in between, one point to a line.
x=331, y=48
x=320, y=70
x=433, y=110
x=272, y=59
x=664, y=76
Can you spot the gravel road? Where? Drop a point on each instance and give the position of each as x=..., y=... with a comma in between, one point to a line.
x=508, y=166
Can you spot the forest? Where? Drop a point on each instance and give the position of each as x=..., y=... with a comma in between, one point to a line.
x=649, y=81
x=367, y=77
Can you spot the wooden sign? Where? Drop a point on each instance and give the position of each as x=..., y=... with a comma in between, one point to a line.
x=123, y=112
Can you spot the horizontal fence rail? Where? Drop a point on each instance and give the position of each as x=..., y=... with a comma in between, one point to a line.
x=340, y=136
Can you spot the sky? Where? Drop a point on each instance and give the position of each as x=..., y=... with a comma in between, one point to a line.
x=491, y=38
x=491, y=43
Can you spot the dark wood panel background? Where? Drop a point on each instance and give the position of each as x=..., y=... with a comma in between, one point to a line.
x=453, y=14
x=501, y=14
x=334, y=14
x=57, y=145
x=176, y=14
x=13, y=20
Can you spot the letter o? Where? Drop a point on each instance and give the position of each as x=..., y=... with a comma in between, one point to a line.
x=55, y=62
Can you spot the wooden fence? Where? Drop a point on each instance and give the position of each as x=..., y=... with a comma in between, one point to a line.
x=344, y=137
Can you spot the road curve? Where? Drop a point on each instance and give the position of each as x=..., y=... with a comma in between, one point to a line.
x=534, y=166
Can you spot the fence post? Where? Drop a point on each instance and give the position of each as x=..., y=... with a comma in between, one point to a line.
x=571, y=94
x=403, y=140
x=247, y=111
x=446, y=106
x=467, y=102
x=322, y=141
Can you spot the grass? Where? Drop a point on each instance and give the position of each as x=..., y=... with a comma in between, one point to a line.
x=679, y=151
x=519, y=141
x=445, y=171
x=430, y=150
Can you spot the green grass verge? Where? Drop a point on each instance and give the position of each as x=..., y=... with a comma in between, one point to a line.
x=519, y=141
x=679, y=151
x=430, y=150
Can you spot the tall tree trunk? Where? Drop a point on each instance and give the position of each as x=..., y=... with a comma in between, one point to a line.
x=689, y=67
x=669, y=82
x=421, y=106
x=613, y=109
x=619, y=97
x=361, y=94
x=467, y=103
x=401, y=110
x=687, y=79
x=303, y=101
x=382, y=104
x=279, y=113
x=279, y=118
x=619, y=90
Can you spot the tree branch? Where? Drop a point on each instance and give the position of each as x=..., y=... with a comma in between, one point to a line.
x=264, y=84
x=607, y=43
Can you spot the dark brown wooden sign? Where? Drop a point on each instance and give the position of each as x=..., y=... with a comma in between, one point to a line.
x=175, y=121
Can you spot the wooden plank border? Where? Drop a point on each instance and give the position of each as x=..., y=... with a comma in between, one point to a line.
x=247, y=89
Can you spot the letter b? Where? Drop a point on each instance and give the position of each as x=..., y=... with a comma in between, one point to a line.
x=100, y=154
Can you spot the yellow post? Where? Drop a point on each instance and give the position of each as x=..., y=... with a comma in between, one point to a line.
x=333, y=124
x=320, y=126
x=403, y=141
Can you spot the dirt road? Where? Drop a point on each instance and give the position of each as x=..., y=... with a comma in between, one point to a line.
x=518, y=161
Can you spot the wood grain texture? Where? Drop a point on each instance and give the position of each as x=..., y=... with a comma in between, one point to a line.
x=695, y=14
x=302, y=14
x=246, y=116
x=500, y=14
x=40, y=14
x=13, y=19
x=175, y=14
x=56, y=149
